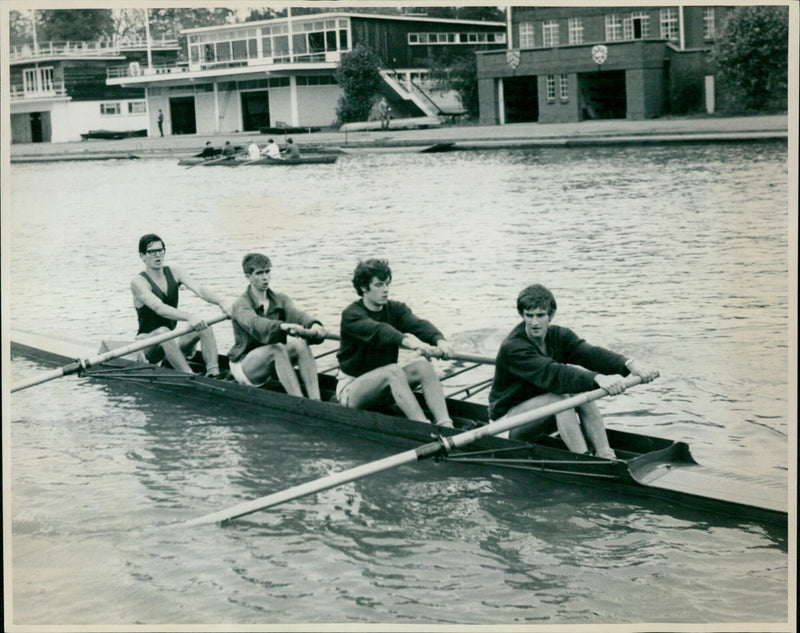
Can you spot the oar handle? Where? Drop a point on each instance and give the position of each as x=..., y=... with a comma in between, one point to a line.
x=118, y=352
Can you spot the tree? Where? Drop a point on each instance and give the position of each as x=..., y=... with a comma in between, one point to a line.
x=464, y=79
x=359, y=77
x=168, y=23
x=19, y=28
x=752, y=55
x=481, y=13
x=74, y=25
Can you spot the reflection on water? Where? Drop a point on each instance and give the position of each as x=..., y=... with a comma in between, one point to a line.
x=677, y=255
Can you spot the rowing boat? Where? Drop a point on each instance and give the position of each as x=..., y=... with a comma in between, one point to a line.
x=646, y=466
x=321, y=159
x=436, y=148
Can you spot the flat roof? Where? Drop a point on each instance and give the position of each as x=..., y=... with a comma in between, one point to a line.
x=328, y=16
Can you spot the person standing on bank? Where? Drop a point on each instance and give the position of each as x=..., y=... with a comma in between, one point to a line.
x=373, y=329
x=262, y=319
x=539, y=363
x=384, y=112
x=155, y=297
x=161, y=122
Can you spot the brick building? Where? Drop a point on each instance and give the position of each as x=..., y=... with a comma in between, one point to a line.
x=567, y=64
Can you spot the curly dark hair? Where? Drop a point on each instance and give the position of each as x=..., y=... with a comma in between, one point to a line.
x=536, y=296
x=365, y=271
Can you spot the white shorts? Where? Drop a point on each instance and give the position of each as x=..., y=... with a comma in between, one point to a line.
x=238, y=373
x=343, y=385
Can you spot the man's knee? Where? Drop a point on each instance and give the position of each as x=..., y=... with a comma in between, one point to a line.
x=419, y=370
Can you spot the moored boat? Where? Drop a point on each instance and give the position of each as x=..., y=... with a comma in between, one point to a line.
x=645, y=467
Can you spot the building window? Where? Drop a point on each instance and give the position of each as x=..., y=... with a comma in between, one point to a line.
x=110, y=109
x=38, y=80
x=551, y=88
x=137, y=107
x=709, y=31
x=420, y=39
x=576, y=30
x=613, y=28
x=669, y=24
x=636, y=27
x=550, y=33
x=564, y=88
x=526, y=35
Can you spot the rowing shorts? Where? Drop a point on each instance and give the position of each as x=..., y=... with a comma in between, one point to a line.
x=343, y=385
x=238, y=373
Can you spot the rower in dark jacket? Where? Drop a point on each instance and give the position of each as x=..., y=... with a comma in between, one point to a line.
x=373, y=329
x=539, y=363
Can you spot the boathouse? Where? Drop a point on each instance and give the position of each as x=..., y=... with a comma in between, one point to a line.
x=574, y=63
x=59, y=89
x=281, y=72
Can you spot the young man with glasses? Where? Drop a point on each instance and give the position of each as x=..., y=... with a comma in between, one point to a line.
x=262, y=319
x=155, y=297
x=373, y=329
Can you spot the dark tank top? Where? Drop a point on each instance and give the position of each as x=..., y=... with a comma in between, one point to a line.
x=149, y=320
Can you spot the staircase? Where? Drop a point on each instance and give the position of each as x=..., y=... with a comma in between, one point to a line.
x=418, y=100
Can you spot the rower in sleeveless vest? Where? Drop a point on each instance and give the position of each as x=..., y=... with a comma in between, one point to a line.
x=155, y=297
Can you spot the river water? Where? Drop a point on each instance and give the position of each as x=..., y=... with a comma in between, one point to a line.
x=677, y=255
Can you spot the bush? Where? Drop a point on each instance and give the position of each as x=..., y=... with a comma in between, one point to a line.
x=751, y=56
x=359, y=77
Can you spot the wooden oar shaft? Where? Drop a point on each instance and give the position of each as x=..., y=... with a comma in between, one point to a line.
x=469, y=358
x=118, y=352
x=427, y=450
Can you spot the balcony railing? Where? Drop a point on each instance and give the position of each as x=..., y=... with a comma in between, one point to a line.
x=141, y=70
x=86, y=49
x=18, y=92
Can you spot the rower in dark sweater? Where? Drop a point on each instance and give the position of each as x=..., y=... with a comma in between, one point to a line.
x=539, y=363
x=373, y=329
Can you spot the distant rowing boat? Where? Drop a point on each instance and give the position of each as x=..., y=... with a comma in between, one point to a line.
x=647, y=466
x=397, y=149
x=317, y=159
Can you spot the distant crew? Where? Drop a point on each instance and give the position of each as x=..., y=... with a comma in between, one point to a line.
x=253, y=151
x=155, y=297
x=373, y=329
x=229, y=151
x=292, y=150
x=208, y=151
x=539, y=364
x=272, y=150
x=262, y=318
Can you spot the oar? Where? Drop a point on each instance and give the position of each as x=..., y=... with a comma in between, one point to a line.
x=443, y=445
x=85, y=363
x=209, y=162
x=470, y=358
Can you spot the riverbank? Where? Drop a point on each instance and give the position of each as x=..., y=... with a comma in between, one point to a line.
x=463, y=137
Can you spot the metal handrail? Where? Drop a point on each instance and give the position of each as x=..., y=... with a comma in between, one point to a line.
x=85, y=48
